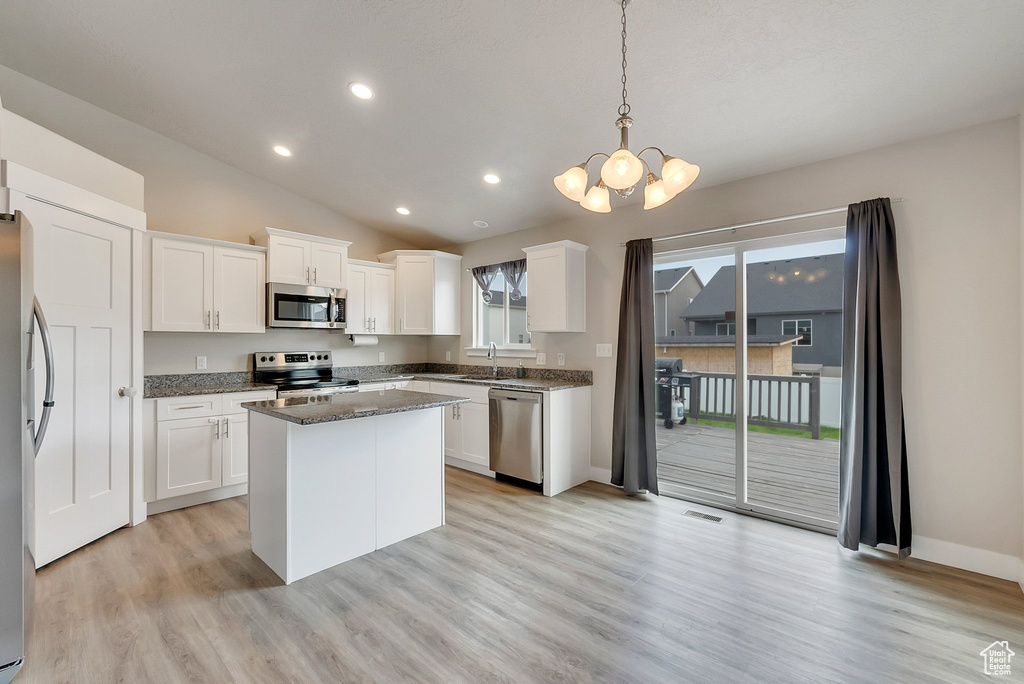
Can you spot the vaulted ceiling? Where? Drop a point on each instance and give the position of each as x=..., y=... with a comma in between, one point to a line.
x=523, y=89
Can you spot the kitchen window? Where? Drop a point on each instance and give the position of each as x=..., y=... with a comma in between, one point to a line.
x=800, y=327
x=501, y=318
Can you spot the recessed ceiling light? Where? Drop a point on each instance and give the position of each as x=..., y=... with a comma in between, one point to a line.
x=403, y=211
x=491, y=178
x=480, y=224
x=361, y=90
x=282, y=150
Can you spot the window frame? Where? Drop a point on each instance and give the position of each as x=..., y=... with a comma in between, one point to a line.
x=726, y=324
x=796, y=327
x=506, y=348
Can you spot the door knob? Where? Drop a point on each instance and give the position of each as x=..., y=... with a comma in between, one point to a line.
x=127, y=392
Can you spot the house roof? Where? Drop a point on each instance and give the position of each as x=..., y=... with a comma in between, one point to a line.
x=666, y=280
x=725, y=340
x=804, y=285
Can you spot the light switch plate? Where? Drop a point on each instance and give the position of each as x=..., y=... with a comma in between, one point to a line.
x=604, y=350
x=380, y=357
x=561, y=359
x=200, y=363
x=447, y=356
x=542, y=359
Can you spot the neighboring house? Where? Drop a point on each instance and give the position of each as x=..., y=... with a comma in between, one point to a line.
x=786, y=297
x=674, y=289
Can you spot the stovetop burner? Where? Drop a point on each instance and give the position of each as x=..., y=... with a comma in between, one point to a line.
x=296, y=371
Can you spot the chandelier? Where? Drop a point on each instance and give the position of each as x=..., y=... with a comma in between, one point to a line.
x=623, y=170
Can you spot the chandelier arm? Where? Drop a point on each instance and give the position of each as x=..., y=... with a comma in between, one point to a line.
x=652, y=147
x=596, y=154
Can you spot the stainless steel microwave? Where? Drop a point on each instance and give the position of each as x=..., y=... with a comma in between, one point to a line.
x=299, y=306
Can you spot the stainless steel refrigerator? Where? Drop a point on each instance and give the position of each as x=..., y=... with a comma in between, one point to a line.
x=21, y=433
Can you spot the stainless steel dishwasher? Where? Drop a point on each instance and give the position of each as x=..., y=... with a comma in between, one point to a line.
x=517, y=434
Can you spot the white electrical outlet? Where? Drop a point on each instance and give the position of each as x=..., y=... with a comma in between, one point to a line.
x=542, y=359
x=447, y=356
x=200, y=363
x=604, y=350
x=380, y=357
x=561, y=359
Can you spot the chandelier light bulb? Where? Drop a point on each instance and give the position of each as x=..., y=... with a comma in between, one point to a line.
x=655, y=193
x=678, y=174
x=622, y=170
x=597, y=199
x=573, y=183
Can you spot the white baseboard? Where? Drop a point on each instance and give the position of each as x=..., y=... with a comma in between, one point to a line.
x=186, y=500
x=982, y=561
x=466, y=465
x=602, y=475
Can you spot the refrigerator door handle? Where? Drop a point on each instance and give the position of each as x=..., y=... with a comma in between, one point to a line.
x=44, y=335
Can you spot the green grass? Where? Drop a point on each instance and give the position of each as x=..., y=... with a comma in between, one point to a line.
x=826, y=432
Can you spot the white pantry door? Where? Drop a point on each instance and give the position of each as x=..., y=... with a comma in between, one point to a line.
x=83, y=281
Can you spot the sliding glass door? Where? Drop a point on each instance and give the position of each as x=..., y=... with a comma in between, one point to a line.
x=754, y=404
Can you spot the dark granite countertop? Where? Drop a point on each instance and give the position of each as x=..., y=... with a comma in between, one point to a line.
x=194, y=390
x=332, y=407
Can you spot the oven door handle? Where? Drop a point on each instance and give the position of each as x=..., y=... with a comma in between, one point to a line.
x=330, y=309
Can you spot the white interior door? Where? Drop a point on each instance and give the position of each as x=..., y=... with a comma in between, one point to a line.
x=83, y=281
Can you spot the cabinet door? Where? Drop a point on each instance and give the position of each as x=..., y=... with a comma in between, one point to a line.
x=475, y=432
x=288, y=260
x=235, y=449
x=330, y=262
x=182, y=282
x=188, y=456
x=546, y=272
x=415, y=300
x=452, y=432
x=382, y=300
x=239, y=290
x=357, y=312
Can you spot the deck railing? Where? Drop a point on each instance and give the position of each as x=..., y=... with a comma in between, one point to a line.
x=783, y=401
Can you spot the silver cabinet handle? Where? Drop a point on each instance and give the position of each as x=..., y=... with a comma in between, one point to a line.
x=127, y=392
x=314, y=276
x=375, y=324
x=227, y=428
x=307, y=274
x=44, y=334
x=218, y=320
x=216, y=427
x=209, y=323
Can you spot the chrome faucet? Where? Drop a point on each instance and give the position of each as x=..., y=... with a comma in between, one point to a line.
x=492, y=354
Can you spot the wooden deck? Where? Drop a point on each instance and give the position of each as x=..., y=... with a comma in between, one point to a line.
x=790, y=474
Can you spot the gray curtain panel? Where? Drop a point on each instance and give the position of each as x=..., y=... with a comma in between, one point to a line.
x=484, y=276
x=634, y=450
x=514, y=272
x=874, y=497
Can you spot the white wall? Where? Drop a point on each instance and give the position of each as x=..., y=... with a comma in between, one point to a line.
x=189, y=193
x=960, y=260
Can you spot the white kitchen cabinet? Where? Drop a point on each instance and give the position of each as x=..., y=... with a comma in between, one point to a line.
x=300, y=259
x=371, y=298
x=199, y=285
x=384, y=385
x=427, y=285
x=466, y=426
x=196, y=446
x=188, y=455
x=557, y=280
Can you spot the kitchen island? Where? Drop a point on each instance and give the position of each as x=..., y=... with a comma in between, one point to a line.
x=333, y=477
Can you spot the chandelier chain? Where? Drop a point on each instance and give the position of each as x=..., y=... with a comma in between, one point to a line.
x=624, y=107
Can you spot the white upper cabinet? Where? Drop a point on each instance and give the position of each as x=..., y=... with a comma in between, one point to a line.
x=557, y=282
x=199, y=285
x=427, y=287
x=371, y=298
x=300, y=259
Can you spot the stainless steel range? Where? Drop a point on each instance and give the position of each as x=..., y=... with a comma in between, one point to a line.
x=300, y=374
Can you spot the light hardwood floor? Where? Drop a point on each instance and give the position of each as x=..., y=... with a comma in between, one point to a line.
x=588, y=586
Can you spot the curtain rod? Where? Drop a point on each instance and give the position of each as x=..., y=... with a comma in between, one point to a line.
x=762, y=222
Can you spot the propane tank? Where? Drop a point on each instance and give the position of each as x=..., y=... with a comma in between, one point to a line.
x=678, y=410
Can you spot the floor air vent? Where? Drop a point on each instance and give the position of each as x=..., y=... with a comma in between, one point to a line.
x=703, y=516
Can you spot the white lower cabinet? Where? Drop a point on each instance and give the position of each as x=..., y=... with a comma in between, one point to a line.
x=466, y=426
x=197, y=444
x=381, y=386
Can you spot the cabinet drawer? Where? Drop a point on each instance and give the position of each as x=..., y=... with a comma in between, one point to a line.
x=417, y=386
x=232, y=403
x=174, y=408
x=476, y=393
